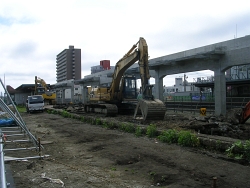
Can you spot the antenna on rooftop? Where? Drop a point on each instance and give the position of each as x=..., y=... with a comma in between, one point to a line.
x=236, y=30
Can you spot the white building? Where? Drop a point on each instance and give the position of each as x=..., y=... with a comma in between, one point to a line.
x=181, y=86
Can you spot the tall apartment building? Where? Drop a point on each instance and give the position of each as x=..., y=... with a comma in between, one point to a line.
x=68, y=64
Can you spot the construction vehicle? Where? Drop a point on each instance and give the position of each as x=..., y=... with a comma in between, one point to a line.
x=35, y=103
x=122, y=93
x=244, y=114
x=41, y=88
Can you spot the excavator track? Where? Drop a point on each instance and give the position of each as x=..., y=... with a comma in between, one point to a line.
x=105, y=109
x=150, y=109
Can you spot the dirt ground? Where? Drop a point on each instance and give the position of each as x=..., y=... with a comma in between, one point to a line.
x=84, y=155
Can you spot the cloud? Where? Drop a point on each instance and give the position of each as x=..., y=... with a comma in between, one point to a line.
x=32, y=33
x=23, y=50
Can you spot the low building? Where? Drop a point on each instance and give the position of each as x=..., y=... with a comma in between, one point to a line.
x=20, y=94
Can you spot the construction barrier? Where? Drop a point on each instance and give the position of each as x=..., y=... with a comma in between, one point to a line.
x=203, y=111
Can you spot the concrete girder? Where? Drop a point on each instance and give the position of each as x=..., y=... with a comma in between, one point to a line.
x=236, y=57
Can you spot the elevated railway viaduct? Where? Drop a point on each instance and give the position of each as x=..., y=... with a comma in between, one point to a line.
x=216, y=57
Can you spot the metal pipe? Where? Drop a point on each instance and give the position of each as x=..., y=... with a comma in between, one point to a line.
x=26, y=158
x=12, y=102
x=39, y=146
x=214, y=182
x=2, y=166
x=6, y=108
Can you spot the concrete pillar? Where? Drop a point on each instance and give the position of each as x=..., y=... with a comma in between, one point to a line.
x=158, y=86
x=220, y=92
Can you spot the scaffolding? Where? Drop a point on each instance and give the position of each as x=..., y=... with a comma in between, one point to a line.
x=12, y=131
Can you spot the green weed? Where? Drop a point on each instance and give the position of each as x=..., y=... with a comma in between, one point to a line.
x=82, y=119
x=187, y=139
x=138, y=132
x=65, y=114
x=98, y=121
x=169, y=136
x=151, y=131
x=239, y=150
x=127, y=128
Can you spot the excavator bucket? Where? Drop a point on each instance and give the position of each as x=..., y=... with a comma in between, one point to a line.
x=150, y=109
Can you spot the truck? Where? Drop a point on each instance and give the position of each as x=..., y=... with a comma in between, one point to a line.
x=35, y=103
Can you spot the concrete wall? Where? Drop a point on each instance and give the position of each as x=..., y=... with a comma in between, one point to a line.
x=20, y=98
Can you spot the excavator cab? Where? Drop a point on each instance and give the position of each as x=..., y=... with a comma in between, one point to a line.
x=129, y=90
x=40, y=90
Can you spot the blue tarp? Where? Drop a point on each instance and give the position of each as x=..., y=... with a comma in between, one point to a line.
x=197, y=98
x=4, y=122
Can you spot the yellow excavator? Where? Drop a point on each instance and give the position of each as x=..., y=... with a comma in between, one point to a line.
x=42, y=89
x=121, y=96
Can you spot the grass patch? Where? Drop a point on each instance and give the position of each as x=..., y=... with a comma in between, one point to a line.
x=183, y=138
x=21, y=109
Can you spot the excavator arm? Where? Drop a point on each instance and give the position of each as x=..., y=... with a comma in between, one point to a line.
x=40, y=81
x=121, y=66
x=138, y=52
x=144, y=69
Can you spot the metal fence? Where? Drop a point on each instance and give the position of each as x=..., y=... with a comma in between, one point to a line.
x=186, y=103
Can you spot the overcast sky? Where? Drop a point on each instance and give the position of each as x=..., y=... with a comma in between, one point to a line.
x=33, y=32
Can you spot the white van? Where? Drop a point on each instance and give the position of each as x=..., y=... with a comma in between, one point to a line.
x=35, y=103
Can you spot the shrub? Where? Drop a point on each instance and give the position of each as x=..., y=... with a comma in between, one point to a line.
x=54, y=112
x=151, y=131
x=109, y=125
x=127, y=128
x=98, y=121
x=169, y=136
x=187, y=139
x=138, y=132
x=105, y=124
x=246, y=146
x=112, y=125
x=82, y=119
x=65, y=114
x=239, y=150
